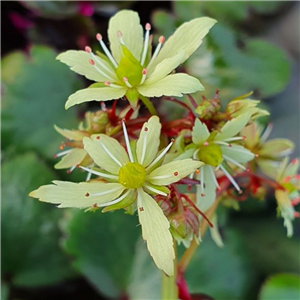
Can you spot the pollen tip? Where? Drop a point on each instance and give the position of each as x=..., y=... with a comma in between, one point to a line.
x=230, y=145
x=175, y=173
x=247, y=170
x=86, y=194
x=88, y=49
x=197, y=171
x=294, y=161
x=205, y=144
x=148, y=26
x=256, y=155
x=98, y=137
x=107, y=83
x=244, y=138
x=78, y=166
x=144, y=72
x=92, y=62
x=202, y=194
x=61, y=147
x=99, y=37
x=146, y=129
x=54, y=156
x=172, y=140
x=125, y=79
x=161, y=39
x=296, y=214
x=240, y=192
x=141, y=208
x=95, y=205
x=119, y=34
x=68, y=171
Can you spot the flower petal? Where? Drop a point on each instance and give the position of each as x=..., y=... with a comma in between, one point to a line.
x=188, y=37
x=95, y=94
x=171, y=85
x=78, y=61
x=173, y=171
x=73, y=158
x=237, y=153
x=75, y=135
x=233, y=127
x=128, y=22
x=277, y=148
x=200, y=132
x=102, y=148
x=206, y=201
x=155, y=231
x=164, y=68
x=152, y=136
x=69, y=194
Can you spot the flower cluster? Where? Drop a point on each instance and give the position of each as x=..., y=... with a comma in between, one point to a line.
x=136, y=162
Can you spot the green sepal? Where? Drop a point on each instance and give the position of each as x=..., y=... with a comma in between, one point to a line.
x=122, y=204
x=133, y=96
x=129, y=67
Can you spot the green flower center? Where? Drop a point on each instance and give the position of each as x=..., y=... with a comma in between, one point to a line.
x=132, y=175
x=129, y=67
x=210, y=154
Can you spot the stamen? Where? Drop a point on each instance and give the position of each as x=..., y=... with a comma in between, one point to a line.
x=71, y=170
x=98, y=173
x=205, y=144
x=237, y=138
x=144, y=72
x=62, y=153
x=221, y=143
x=127, y=141
x=96, y=58
x=155, y=190
x=266, y=133
x=234, y=162
x=161, y=40
x=107, y=52
x=146, y=42
x=202, y=183
x=175, y=173
x=62, y=147
x=214, y=177
x=233, y=182
x=120, y=36
x=88, y=177
x=126, y=82
x=92, y=62
x=115, y=201
x=110, y=154
x=108, y=83
x=162, y=154
x=240, y=150
x=144, y=145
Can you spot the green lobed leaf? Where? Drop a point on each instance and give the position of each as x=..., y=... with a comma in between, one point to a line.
x=31, y=254
x=281, y=286
x=35, y=88
x=103, y=247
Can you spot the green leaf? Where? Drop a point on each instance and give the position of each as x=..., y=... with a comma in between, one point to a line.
x=266, y=244
x=221, y=273
x=103, y=246
x=31, y=254
x=281, y=287
x=35, y=88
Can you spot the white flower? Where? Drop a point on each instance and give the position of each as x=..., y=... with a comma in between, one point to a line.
x=130, y=176
x=128, y=68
